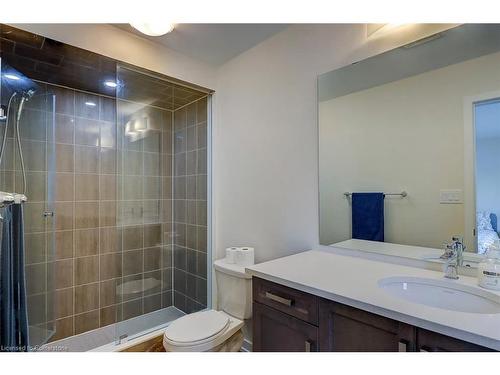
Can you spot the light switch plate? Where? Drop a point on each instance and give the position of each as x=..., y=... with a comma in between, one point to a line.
x=451, y=196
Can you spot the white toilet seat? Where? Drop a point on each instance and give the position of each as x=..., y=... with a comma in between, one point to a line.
x=200, y=331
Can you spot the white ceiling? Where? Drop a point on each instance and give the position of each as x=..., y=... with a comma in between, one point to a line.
x=214, y=44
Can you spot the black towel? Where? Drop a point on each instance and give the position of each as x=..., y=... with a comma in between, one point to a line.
x=368, y=216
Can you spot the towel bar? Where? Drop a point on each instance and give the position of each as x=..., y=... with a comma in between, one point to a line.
x=403, y=194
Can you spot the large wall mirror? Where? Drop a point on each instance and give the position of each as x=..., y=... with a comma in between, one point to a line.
x=420, y=124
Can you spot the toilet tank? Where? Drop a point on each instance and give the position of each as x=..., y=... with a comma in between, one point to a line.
x=234, y=289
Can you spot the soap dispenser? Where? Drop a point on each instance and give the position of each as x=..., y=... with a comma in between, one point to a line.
x=489, y=269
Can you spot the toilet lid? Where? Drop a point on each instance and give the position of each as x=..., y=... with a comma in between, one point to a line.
x=197, y=326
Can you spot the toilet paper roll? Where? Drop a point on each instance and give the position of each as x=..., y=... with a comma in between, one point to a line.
x=231, y=255
x=245, y=256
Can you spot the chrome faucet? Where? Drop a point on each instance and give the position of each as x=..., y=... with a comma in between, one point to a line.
x=455, y=257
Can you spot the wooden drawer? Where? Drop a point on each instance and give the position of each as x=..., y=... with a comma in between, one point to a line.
x=274, y=331
x=293, y=302
x=428, y=341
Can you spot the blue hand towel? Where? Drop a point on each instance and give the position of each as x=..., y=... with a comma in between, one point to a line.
x=368, y=216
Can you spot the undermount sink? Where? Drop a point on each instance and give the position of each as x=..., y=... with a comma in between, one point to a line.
x=442, y=294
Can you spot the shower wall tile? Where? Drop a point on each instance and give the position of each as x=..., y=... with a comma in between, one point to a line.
x=87, y=131
x=33, y=216
x=107, y=213
x=64, y=302
x=64, y=244
x=64, y=273
x=64, y=215
x=108, y=294
x=86, y=215
x=152, y=303
x=108, y=134
x=108, y=160
x=34, y=153
x=86, y=322
x=190, y=207
x=65, y=128
x=86, y=187
x=86, y=159
x=86, y=270
x=87, y=105
x=108, y=315
x=65, y=99
x=110, y=266
x=109, y=240
x=64, y=187
x=35, y=247
x=64, y=328
x=107, y=187
x=132, y=262
x=107, y=109
x=35, y=127
x=86, y=242
x=131, y=309
x=65, y=158
x=86, y=298
x=36, y=275
x=152, y=258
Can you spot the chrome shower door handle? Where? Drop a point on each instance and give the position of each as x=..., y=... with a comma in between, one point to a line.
x=48, y=214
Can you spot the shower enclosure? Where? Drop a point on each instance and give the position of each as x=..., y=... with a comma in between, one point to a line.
x=118, y=212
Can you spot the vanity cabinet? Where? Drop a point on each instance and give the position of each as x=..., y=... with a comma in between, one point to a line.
x=286, y=319
x=428, y=341
x=275, y=331
x=346, y=329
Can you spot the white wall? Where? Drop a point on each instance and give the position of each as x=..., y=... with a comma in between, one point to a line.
x=127, y=47
x=265, y=136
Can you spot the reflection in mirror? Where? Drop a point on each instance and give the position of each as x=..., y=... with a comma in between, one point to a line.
x=423, y=119
x=487, y=173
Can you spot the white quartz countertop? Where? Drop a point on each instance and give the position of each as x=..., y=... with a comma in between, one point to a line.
x=354, y=281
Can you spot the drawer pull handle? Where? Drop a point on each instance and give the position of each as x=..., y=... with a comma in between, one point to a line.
x=275, y=298
x=308, y=345
x=402, y=346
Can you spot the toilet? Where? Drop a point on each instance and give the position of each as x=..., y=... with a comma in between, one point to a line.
x=215, y=330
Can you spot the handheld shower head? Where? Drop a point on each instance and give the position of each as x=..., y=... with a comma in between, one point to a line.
x=27, y=94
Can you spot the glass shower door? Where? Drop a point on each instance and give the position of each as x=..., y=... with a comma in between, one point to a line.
x=36, y=134
x=163, y=206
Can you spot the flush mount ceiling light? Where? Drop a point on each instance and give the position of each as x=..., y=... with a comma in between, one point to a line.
x=155, y=28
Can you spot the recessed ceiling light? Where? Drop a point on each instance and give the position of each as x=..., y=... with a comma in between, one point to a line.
x=110, y=84
x=12, y=76
x=90, y=104
x=156, y=28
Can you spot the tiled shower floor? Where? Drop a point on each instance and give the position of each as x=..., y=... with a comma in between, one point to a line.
x=106, y=337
